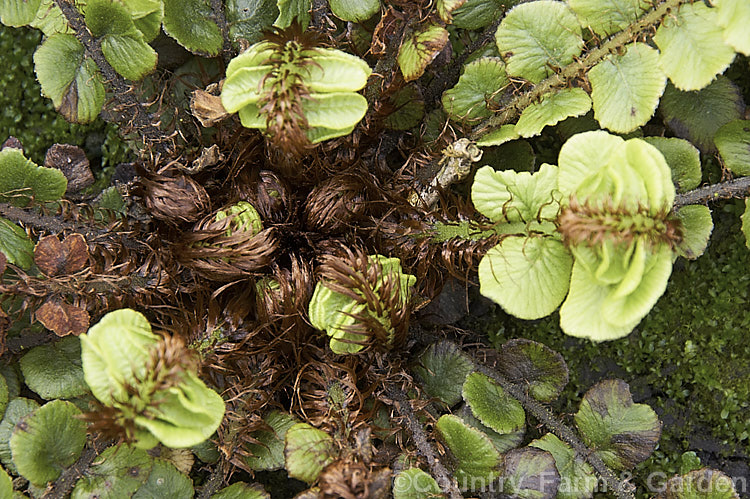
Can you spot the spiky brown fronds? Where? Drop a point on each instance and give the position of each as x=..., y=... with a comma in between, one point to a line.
x=268, y=192
x=174, y=199
x=334, y=204
x=209, y=251
x=594, y=224
x=349, y=479
x=353, y=274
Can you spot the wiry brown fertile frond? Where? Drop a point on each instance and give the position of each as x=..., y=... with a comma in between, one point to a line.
x=267, y=192
x=209, y=251
x=333, y=395
x=352, y=479
x=594, y=224
x=334, y=204
x=174, y=199
x=353, y=274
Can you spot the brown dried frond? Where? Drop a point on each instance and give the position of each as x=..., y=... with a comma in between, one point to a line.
x=268, y=192
x=174, y=199
x=209, y=251
x=350, y=479
x=334, y=204
x=594, y=224
x=353, y=274
x=283, y=298
x=336, y=396
x=168, y=360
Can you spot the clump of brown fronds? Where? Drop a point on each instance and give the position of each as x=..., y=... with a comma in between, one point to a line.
x=174, y=199
x=594, y=224
x=216, y=255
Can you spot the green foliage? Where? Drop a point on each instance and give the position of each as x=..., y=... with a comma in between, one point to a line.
x=118, y=472
x=190, y=23
x=15, y=244
x=21, y=180
x=307, y=451
x=47, y=441
x=476, y=459
x=268, y=450
x=267, y=79
x=491, y=405
x=54, y=371
x=354, y=10
x=414, y=483
x=173, y=407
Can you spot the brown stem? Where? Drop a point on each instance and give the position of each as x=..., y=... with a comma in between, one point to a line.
x=214, y=481
x=130, y=110
x=217, y=6
x=739, y=187
x=559, y=80
x=621, y=489
x=67, y=480
x=441, y=475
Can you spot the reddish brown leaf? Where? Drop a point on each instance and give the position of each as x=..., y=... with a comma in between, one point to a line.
x=62, y=318
x=74, y=164
x=54, y=257
x=78, y=253
x=3, y=262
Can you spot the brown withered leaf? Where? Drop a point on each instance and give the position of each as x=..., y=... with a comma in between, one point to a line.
x=3, y=262
x=72, y=161
x=54, y=257
x=207, y=108
x=62, y=318
x=4, y=326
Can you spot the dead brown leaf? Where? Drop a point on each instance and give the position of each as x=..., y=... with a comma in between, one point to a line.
x=67, y=257
x=62, y=318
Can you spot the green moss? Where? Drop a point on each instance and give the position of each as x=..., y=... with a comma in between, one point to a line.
x=689, y=358
x=31, y=117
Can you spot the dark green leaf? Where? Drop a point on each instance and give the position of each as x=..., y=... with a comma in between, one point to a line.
x=622, y=433
x=697, y=226
x=683, y=159
x=476, y=459
x=47, y=441
x=530, y=473
x=354, y=10
x=248, y=18
x=15, y=244
x=54, y=370
x=18, y=12
x=696, y=116
x=3, y=394
x=242, y=490
x=503, y=442
x=307, y=451
x=442, y=369
x=190, y=23
x=419, y=49
x=492, y=405
x=415, y=484
x=165, y=482
x=479, y=85
x=117, y=472
x=71, y=80
x=17, y=409
x=475, y=14
x=408, y=108
x=21, y=180
x=577, y=478
x=268, y=453
x=289, y=10
x=539, y=369
x=733, y=142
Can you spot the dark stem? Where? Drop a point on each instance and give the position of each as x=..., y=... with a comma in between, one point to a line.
x=448, y=75
x=738, y=187
x=621, y=489
x=214, y=481
x=217, y=6
x=441, y=475
x=67, y=480
x=130, y=110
